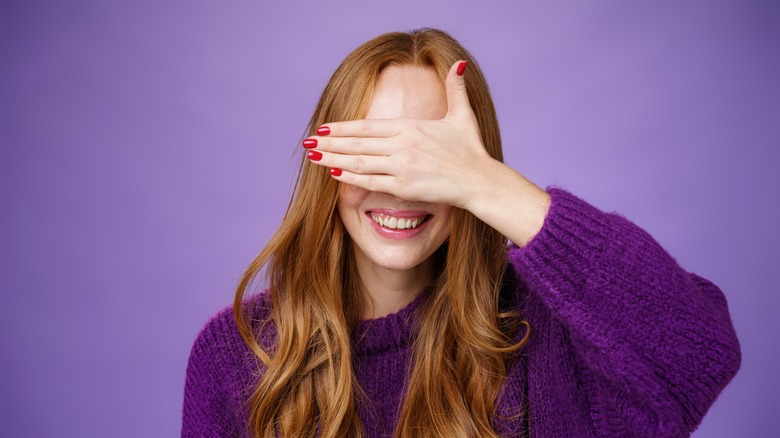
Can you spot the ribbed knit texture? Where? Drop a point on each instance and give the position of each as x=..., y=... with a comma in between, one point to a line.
x=624, y=342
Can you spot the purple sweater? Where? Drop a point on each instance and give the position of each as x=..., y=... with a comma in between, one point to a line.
x=624, y=342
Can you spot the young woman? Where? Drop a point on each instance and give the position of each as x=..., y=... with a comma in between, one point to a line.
x=395, y=306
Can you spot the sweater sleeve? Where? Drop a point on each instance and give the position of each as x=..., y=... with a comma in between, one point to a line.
x=655, y=343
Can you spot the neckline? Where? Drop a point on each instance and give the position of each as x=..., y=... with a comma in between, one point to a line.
x=393, y=331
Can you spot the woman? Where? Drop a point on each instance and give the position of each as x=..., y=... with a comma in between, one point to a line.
x=395, y=306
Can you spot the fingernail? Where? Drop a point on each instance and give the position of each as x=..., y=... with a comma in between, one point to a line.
x=314, y=156
x=335, y=172
x=323, y=130
x=461, y=68
x=310, y=143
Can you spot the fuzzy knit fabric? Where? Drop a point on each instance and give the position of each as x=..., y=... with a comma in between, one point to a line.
x=624, y=342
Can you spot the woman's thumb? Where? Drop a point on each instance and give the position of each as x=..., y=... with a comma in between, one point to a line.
x=457, y=97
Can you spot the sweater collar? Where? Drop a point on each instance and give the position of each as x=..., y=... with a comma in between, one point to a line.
x=394, y=331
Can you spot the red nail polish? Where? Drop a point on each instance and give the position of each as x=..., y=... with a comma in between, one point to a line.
x=314, y=156
x=323, y=130
x=461, y=68
x=335, y=171
x=310, y=143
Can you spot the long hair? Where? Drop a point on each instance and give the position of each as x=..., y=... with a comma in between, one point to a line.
x=464, y=341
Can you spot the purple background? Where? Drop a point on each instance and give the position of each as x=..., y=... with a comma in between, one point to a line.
x=148, y=150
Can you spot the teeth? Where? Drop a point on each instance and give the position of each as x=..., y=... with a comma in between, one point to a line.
x=397, y=223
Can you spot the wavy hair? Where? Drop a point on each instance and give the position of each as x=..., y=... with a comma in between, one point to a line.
x=465, y=340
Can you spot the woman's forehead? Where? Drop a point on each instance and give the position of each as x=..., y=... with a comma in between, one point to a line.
x=409, y=92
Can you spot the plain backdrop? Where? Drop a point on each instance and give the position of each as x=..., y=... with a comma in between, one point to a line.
x=149, y=147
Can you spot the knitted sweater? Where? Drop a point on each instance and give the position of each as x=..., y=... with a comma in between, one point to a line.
x=624, y=342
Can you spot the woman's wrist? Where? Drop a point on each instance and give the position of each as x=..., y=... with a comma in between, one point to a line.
x=507, y=201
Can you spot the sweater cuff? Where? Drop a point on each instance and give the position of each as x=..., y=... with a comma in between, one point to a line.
x=573, y=236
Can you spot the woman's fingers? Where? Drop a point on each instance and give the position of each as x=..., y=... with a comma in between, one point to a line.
x=360, y=164
x=374, y=183
x=348, y=145
x=363, y=128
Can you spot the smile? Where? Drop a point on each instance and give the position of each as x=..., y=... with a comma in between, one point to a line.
x=398, y=223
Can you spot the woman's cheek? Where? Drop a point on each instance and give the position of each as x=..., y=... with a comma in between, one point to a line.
x=349, y=201
x=351, y=196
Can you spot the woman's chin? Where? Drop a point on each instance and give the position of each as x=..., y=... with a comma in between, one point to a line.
x=397, y=264
x=398, y=261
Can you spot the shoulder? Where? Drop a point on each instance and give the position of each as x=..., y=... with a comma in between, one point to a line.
x=219, y=353
x=220, y=336
x=220, y=369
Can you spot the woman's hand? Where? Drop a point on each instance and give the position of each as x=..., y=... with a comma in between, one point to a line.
x=434, y=161
x=437, y=161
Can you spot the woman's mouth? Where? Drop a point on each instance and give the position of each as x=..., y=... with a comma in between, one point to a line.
x=398, y=223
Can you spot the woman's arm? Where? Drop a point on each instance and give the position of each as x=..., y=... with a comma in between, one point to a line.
x=656, y=343
x=508, y=202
